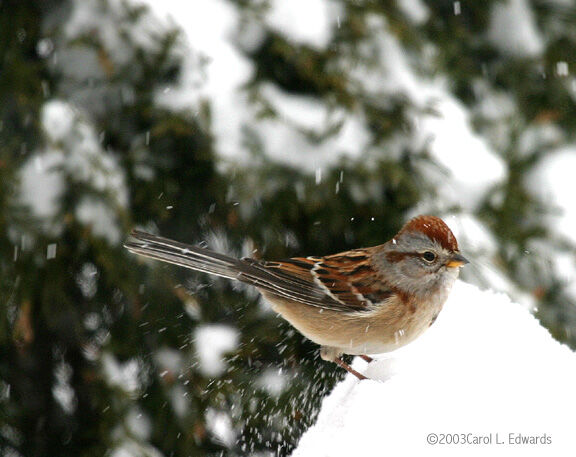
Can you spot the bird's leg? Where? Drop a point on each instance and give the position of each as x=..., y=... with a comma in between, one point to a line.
x=333, y=354
x=349, y=369
x=366, y=357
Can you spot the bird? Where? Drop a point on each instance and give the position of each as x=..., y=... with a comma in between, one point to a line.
x=358, y=302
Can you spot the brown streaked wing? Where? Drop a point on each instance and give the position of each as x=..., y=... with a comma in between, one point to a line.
x=344, y=282
x=289, y=279
x=351, y=279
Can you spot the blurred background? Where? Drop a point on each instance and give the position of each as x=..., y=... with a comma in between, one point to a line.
x=265, y=128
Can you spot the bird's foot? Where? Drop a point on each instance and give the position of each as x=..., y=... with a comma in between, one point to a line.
x=349, y=369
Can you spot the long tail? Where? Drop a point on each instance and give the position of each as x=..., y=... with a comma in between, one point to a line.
x=266, y=276
x=185, y=255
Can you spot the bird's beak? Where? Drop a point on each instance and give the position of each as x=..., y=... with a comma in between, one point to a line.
x=457, y=260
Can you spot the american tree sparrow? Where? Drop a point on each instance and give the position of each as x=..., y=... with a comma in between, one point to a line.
x=363, y=301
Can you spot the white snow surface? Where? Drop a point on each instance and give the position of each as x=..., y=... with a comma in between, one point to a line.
x=486, y=368
x=73, y=153
x=415, y=10
x=513, y=29
x=209, y=29
x=473, y=169
x=217, y=37
x=220, y=425
x=122, y=375
x=305, y=21
x=552, y=180
x=212, y=342
x=41, y=187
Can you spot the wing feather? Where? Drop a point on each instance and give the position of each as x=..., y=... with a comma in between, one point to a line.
x=345, y=281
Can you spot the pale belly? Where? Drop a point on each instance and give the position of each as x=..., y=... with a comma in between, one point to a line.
x=381, y=330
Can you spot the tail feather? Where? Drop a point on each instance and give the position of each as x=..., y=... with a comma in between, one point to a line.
x=185, y=255
x=263, y=275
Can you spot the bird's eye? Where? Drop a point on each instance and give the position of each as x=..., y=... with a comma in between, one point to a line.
x=429, y=256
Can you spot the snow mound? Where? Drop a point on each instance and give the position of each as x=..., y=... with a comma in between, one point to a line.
x=486, y=378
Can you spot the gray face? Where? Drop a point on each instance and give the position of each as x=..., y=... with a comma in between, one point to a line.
x=425, y=255
x=416, y=264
